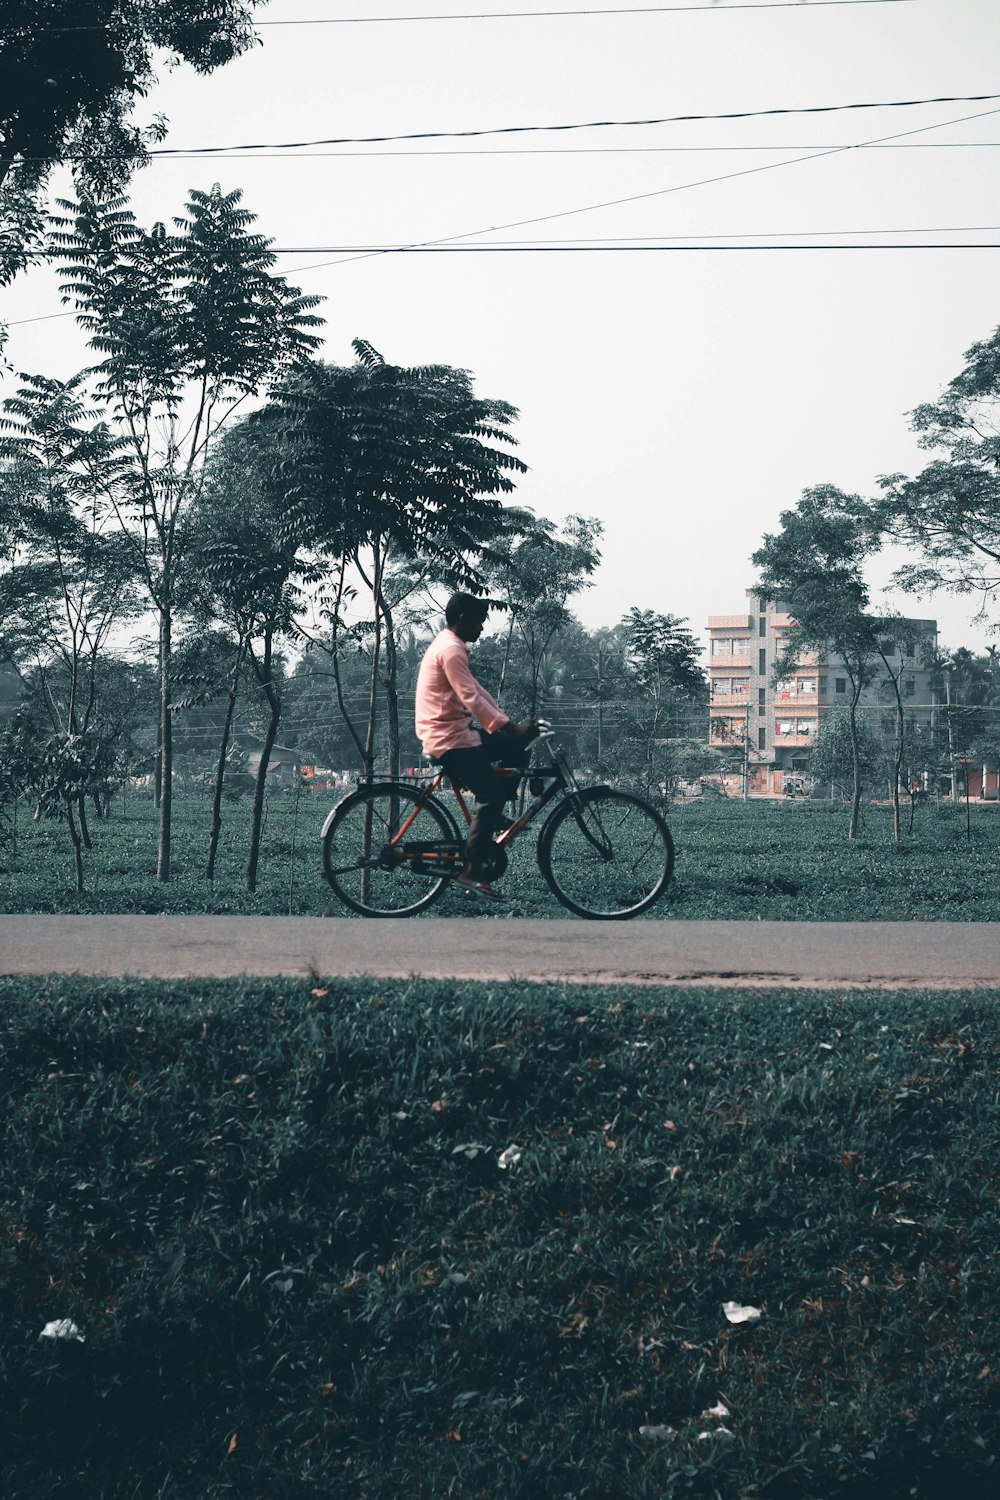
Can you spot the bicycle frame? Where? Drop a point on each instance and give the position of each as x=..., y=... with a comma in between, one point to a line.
x=553, y=774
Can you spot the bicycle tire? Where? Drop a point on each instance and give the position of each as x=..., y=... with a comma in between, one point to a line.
x=369, y=884
x=605, y=854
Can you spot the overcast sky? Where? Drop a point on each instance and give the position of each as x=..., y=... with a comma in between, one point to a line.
x=683, y=398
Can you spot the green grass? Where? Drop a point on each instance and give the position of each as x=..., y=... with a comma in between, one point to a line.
x=761, y=860
x=275, y=1212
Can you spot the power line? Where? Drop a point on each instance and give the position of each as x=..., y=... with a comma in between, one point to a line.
x=657, y=239
x=569, y=151
x=663, y=192
x=500, y=15
x=539, y=248
x=454, y=135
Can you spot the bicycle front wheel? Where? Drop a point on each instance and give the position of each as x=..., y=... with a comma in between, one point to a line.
x=388, y=851
x=606, y=854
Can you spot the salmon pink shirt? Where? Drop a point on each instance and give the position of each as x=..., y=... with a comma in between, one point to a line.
x=449, y=697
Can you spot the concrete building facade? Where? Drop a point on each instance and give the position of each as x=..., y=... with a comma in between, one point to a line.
x=773, y=724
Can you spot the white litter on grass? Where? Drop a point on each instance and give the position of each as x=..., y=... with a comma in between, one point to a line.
x=737, y=1314
x=509, y=1158
x=716, y=1411
x=658, y=1434
x=62, y=1328
x=716, y=1432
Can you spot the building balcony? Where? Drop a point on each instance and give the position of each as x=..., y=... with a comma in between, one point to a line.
x=729, y=622
x=793, y=741
x=785, y=702
x=730, y=700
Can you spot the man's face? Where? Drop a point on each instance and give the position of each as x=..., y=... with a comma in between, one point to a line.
x=469, y=627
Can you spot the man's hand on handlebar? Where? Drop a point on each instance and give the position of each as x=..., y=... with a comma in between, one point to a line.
x=528, y=729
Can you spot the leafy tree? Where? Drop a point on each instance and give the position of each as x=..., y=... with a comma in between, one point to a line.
x=70, y=72
x=662, y=658
x=535, y=569
x=253, y=567
x=816, y=562
x=189, y=324
x=387, y=465
x=67, y=587
x=950, y=512
x=839, y=746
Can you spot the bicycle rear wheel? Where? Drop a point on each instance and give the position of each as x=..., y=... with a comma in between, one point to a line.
x=376, y=877
x=606, y=854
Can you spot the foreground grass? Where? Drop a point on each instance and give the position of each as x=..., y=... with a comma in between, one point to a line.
x=765, y=860
x=276, y=1213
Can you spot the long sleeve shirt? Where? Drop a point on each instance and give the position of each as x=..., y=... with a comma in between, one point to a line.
x=449, y=697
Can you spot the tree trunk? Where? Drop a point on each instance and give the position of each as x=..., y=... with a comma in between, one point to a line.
x=220, y=768
x=262, y=671
x=166, y=749
x=852, y=831
x=506, y=655
x=77, y=850
x=391, y=685
x=369, y=750
x=84, y=828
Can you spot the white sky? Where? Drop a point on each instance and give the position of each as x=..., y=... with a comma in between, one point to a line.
x=685, y=399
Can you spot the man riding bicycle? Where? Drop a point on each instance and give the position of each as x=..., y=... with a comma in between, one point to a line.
x=448, y=698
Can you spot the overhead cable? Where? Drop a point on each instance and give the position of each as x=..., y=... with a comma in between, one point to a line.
x=499, y=15
x=456, y=135
x=574, y=151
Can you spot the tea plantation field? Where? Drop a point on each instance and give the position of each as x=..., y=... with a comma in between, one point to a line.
x=734, y=860
x=369, y=1241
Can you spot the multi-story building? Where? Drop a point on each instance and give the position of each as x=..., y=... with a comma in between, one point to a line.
x=773, y=724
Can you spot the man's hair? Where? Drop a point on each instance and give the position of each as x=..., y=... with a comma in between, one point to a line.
x=468, y=605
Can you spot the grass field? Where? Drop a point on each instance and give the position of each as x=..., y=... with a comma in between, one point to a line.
x=759, y=860
x=276, y=1214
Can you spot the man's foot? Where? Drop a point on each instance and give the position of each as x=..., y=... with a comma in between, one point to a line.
x=476, y=887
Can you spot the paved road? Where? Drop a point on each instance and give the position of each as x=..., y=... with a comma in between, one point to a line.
x=659, y=952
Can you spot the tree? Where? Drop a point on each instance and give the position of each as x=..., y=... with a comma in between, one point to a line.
x=816, y=563
x=837, y=745
x=68, y=585
x=190, y=324
x=385, y=465
x=535, y=569
x=253, y=567
x=950, y=512
x=70, y=72
x=662, y=658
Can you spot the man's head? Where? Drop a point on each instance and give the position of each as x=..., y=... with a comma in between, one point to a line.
x=466, y=616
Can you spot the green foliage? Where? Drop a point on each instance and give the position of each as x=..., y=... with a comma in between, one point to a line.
x=948, y=513
x=832, y=758
x=297, y=1265
x=70, y=72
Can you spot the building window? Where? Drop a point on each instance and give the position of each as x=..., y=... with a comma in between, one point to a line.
x=785, y=726
x=762, y=626
x=762, y=739
x=720, y=686
x=722, y=646
x=762, y=661
x=805, y=726
x=761, y=699
x=909, y=687
x=887, y=648
x=840, y=684
x=807, y=685
x=822, y=687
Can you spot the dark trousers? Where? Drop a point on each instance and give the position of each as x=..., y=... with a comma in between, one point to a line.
x=475, y=769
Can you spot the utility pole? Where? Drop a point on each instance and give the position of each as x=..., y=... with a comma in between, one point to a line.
x=597, y=682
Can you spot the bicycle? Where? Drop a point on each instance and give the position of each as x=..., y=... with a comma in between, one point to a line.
x=391, y=848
